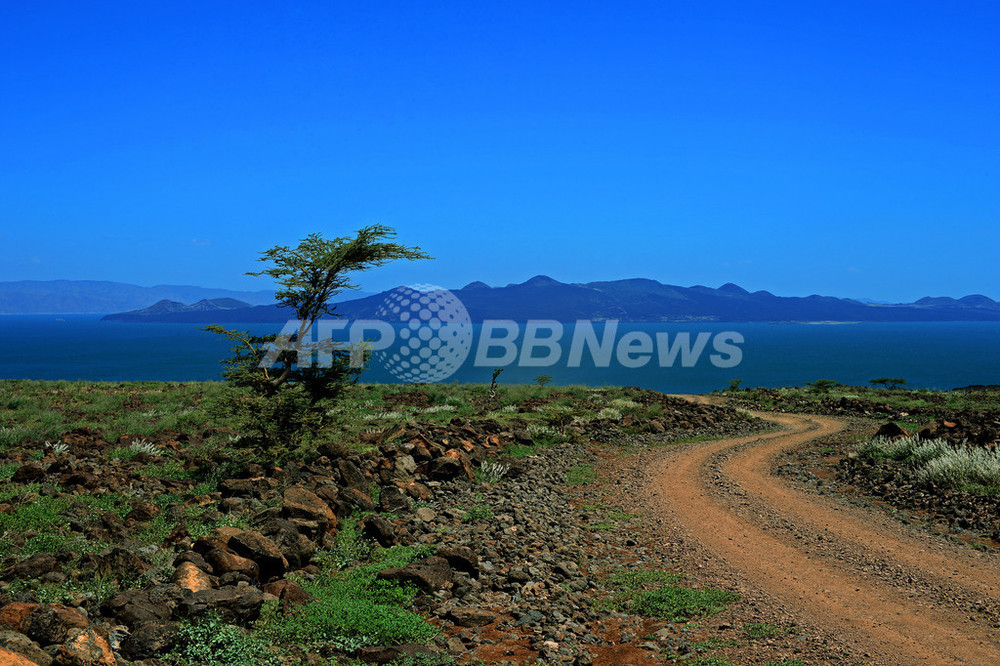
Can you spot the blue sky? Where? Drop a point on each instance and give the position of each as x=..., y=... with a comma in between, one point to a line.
x=841, y=148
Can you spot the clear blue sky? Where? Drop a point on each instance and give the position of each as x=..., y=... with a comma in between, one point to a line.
x=841, y=148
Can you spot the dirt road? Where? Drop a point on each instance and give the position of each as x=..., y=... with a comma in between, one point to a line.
x=899, y=596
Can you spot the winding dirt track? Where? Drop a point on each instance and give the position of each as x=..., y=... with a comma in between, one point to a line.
x=902, y=597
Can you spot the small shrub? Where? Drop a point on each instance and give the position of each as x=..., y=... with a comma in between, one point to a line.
x=212, y=641
x=478, y=512
x=542, y=380
x=492, y=471
x=581, y=475
x=679, y=604
x=667, y=601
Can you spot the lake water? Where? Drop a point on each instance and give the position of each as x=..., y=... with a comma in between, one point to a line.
x=928, y=355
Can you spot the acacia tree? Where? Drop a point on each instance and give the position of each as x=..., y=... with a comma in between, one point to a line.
x=281, y=400
x=887, y=382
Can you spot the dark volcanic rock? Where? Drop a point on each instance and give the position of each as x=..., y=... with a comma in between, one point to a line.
x=392, y=653
x=471, y=617
x=236, y=604
x=297, y=549
x=461, y=559
x=118, y=564
x=393, y=500
x=35, y=566
x=289, y=592
x=28, y=473
x=261, y=550
x=377, y=528
x=429, y=575
x=300, y=502
x=52, y=624
x=150, y=639
x=133, y=607
x=351, y=476
x=892, y=431
x=20, y=644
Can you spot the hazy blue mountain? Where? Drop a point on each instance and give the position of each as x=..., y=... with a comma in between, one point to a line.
x=169, y=308
x=639, y=300
x=89, y=296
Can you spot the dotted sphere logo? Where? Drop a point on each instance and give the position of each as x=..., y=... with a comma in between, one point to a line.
x=433, y=333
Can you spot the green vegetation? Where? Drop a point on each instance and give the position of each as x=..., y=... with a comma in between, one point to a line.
x=212, y=641
x=542, y=380
x=609, y=517
x=45, y=411
x=887, y=382
x=477, y=513
x=876, y=401
x=351, y=608
x=821, y=385
x=939, y=463
x=581, y=475
x=274, y=396
x=652, y=594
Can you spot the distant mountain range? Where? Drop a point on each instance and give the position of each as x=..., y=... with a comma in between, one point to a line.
x=93, y=297
x=636, y=300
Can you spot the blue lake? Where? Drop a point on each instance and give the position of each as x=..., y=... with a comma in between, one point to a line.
x=931, y=355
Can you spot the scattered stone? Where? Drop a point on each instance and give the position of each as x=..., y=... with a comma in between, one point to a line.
x=429, y=575
x=52, y=623
x=892, y=431
x=377, y=528
x=471, y=617
x=390, y=654
x=261, y=550
x=15, y=641
x=189, y=577
x=150, y=639
x=86, y=647
x=35, y=566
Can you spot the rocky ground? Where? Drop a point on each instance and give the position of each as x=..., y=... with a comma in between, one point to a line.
x=888, y=485
x=519, y=552
x=111, y=563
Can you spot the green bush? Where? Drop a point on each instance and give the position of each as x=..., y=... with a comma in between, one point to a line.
x=679, y=604
x=665, y=600
x=938, y=462
x=212, y=641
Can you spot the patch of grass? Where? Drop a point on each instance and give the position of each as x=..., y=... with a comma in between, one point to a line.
x=709, y=661
x=477, y=513
x=48, y=593
x=212, y=641
x=939, y=463
x=521, y=451
x=635, y=579
x=653, y=594
x=351, y=608
x=679, y=604
x=167, y=469
x=581, y=475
